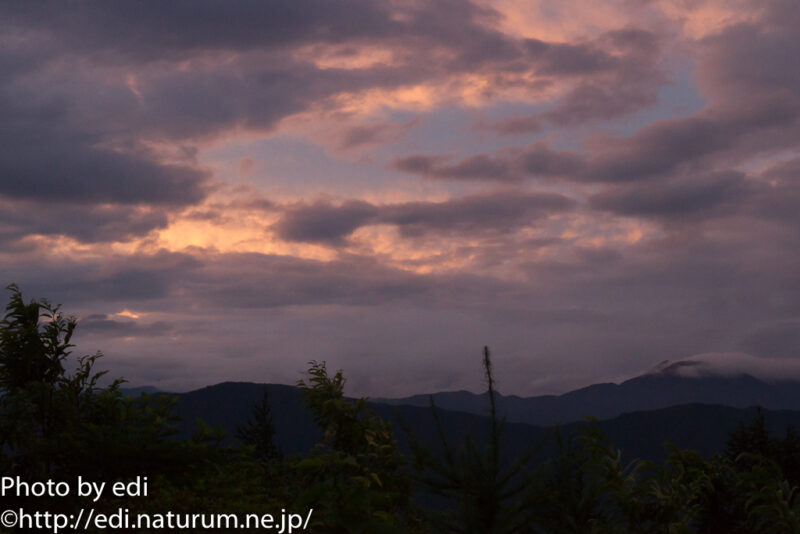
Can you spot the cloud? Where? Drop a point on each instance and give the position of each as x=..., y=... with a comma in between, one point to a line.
x=267, y=281
x=736, y=363
x=670, y=145
x=476, y=214
x=745, y=62
x=477, y=167
x=473, y=215
x=511, y=166
x=656, y=150
x=111, y=278
x=540, y=160
x=692, y=196
x=182, y=28
x=84, y=223
x=102, y=324
x=40, y=163
x=742, y=62
x=688, y=198
x=373, y=133
x=618, y=74
x=589, y=102
x=322, y=222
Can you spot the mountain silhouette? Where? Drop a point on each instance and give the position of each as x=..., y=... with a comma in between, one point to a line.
x=660, y=388
x=639, y=433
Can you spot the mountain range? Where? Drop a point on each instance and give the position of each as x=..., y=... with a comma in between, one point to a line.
x=638, y=415
x=664, y=386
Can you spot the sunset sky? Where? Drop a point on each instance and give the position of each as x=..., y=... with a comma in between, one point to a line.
x=227, y=190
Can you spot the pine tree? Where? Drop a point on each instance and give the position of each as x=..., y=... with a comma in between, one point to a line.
x=487, y=497
x=751, y=438
x=259, y=431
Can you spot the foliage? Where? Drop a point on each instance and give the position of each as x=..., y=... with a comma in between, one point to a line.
x=486, y=497
x=58, y=425
x=259, y=431
x=354, y=478
x=50, y=418
x=750, y=438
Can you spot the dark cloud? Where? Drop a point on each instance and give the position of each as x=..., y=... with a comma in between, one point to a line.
x=180, y=283
x=568, y=59
x=322, y=222
x=752, y=59
x=540, y=160
x=86, y=223
x=106, y=325
x=472, y=215
x=619, y=75
x=675, y=144
x=60, y=175
x=477, y=167
x=362, y=135
x=419, y=164
x=265, y=281
x=375, y=133
x=475, y=214
x=641, y=43
x=664, y=147
x=537, y=160
x=692, y=196
x=136, y=278
x=49, y=160
x=593, y=102
x=174, y=30
x=752, y=81
x=517, y=125
x=253, y=92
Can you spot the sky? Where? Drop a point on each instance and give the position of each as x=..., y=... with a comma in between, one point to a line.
x=229, y=190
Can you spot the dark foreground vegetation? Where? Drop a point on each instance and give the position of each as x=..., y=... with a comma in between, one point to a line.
x=58, y=424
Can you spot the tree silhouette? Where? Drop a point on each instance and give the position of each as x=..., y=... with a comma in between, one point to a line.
x=750, y=438
x=259, y=431
x=354, y=477
x=488, y=498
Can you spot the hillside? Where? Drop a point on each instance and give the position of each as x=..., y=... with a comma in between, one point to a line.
x=640, y=433
x=652, y=391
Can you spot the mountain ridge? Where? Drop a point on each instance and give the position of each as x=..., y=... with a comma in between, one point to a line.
x=638, y=434
x=649, y=391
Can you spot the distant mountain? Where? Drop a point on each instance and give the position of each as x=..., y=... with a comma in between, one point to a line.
x=662, y=387
x=640, y=434
x=230, y=405
x=138, y=390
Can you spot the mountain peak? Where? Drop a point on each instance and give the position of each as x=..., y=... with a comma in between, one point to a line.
x=659, y=368
x=728, y=365
x=672, y=368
